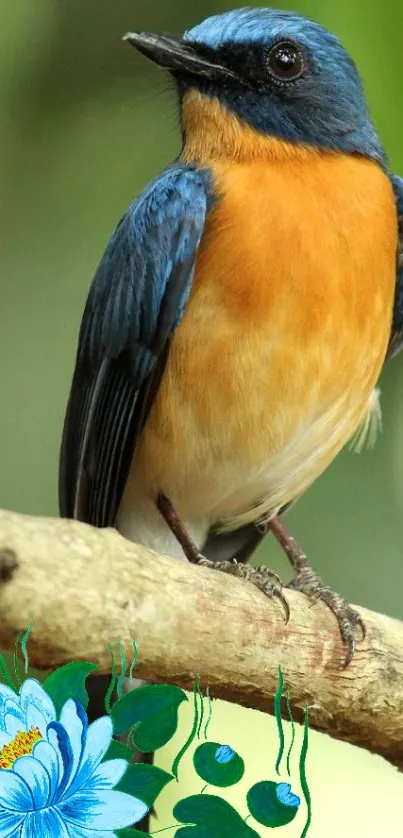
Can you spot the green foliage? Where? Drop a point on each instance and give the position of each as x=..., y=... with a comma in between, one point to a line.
x=6, y=675
x=197, y=718
x=265, y=806
x=132, y=833
x=277, y=712
x=69, y=682
x=207, y=763
x=152, y=711
x=118, y=750
x=212, y=817
x=144, y=781
x=302, y=775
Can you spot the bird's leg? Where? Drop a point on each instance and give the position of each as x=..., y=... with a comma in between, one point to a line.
x=266, y=580
x=308, y=582
x=171, y=518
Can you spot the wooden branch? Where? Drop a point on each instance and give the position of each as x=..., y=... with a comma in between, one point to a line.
x=85, y=587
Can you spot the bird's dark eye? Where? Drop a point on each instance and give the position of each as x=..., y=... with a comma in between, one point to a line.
x=285, y=61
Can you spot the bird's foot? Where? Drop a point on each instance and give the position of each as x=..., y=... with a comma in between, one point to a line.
x=264, y=579
x=308, y=582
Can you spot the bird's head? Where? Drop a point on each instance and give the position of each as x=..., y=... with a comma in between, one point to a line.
x=251, y=76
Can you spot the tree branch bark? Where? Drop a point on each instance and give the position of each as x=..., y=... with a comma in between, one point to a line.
x=85, y=587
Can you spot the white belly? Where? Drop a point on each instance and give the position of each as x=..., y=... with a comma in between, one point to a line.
x=232, y=495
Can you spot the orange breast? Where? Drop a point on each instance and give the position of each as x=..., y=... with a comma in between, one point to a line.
x=273, y=365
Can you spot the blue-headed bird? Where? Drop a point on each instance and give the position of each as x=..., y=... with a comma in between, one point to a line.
x=240, y=317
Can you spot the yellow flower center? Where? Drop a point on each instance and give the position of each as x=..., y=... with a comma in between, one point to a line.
x=22, y=745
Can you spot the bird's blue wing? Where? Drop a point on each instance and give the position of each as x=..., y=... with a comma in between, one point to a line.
x=396, y=338
x=136, y=300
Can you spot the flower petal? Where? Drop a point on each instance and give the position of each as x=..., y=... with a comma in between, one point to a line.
x=32, y=692
x=98, y=740
x=45, y=753
x=74, y=720
x=53, y=740
x=35, y=718
x=103, y=810
x=9, y=823
x=81, y=832
x=63, y=745
x=15, y=795
x=108, y=774
x=5, y=738
x=14, y=724
x=36, y=778
x=6, y=693
x=12, y=707
x=47, y=823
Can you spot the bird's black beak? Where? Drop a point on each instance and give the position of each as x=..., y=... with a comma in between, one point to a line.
x=177, y=56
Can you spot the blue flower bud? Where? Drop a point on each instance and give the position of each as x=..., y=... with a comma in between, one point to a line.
x=224, y=754
x=286, y=796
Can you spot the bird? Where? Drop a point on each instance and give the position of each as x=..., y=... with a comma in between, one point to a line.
x=239, y=319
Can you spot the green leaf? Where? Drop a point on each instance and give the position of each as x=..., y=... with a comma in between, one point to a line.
x=132, y=833
x=265, y=806
x=185, y=747
x=277, y=711
x=69, y=682
x=144, y=781
x=213, y=818
x=200, y=832
x=4, y=672
x=213, y=769
x=123, y=667
x=118, y=750
x=153, y=709
x=156, y=731
x=302, y=774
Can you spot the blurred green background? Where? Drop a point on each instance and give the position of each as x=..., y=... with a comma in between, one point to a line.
x=85, y=123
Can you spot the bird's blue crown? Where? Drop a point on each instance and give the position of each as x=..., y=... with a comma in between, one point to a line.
x=324, y=105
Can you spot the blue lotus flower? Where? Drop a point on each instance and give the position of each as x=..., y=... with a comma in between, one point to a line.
x=30, y=712
x=53, y=782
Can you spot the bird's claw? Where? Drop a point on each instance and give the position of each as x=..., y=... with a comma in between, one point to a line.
x=264, y=579
x=348, y=620
x=270, y=584
x=307, y=582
